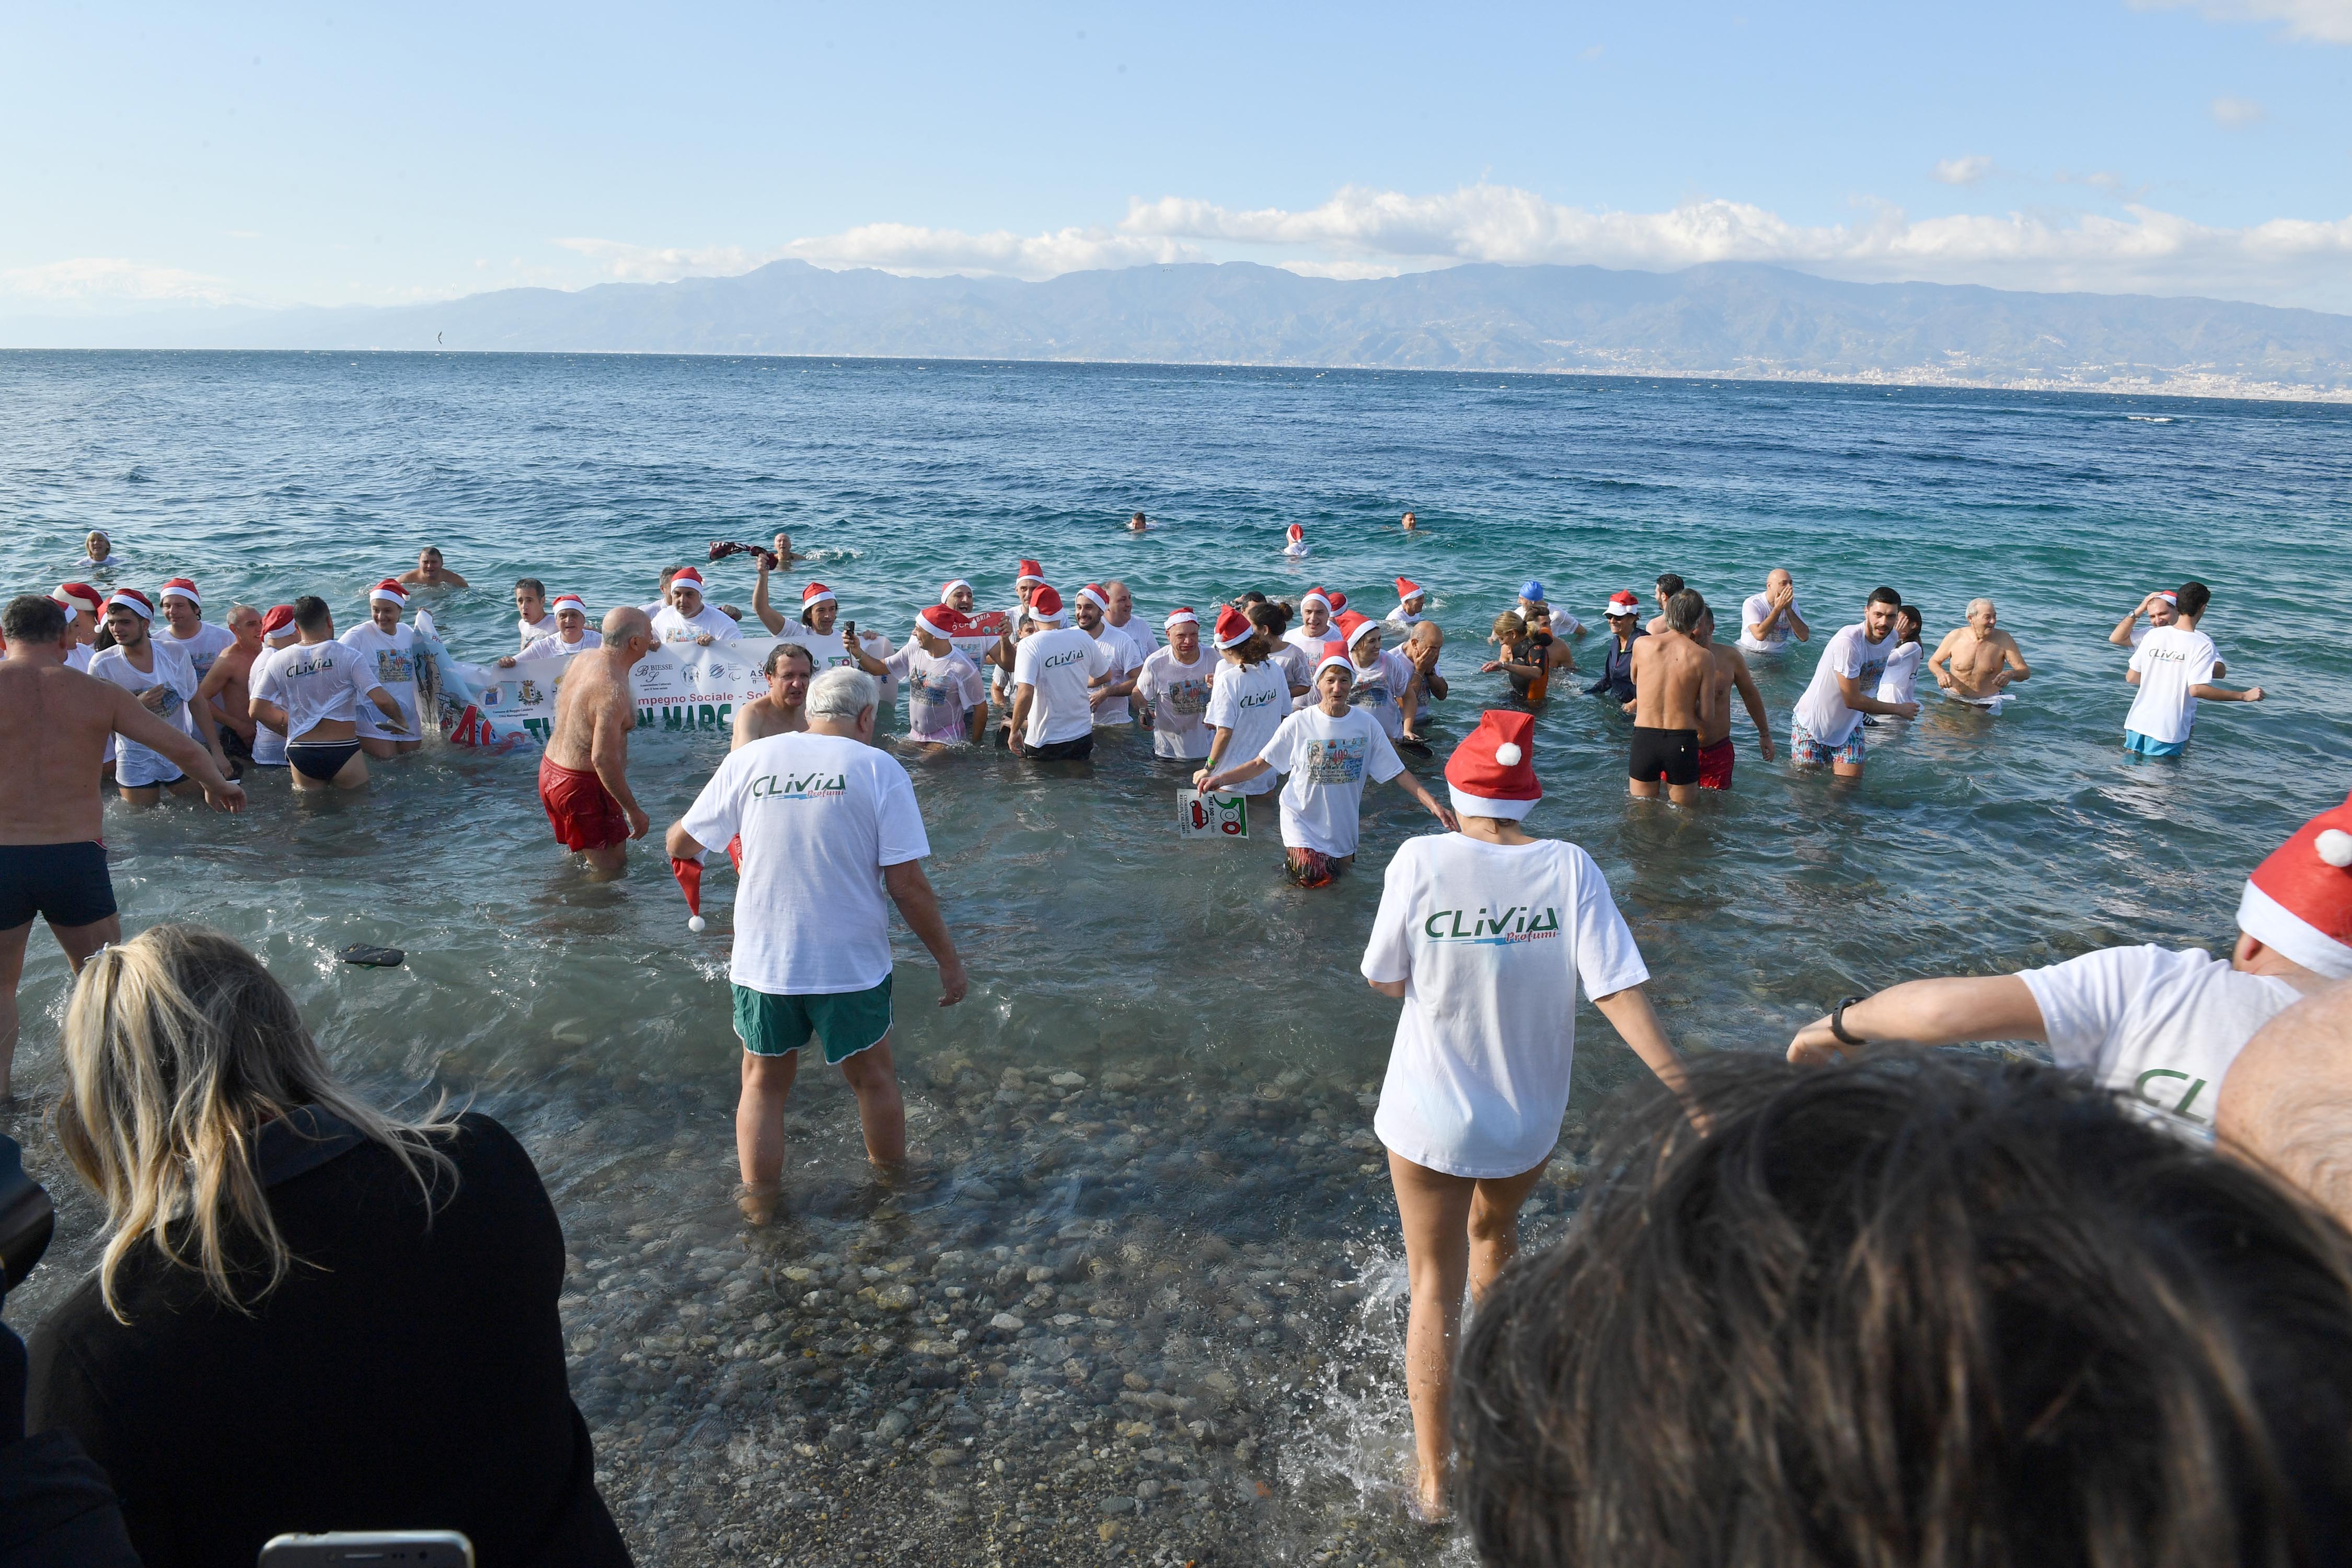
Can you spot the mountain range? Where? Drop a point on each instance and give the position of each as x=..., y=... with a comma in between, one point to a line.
x=1726, y=318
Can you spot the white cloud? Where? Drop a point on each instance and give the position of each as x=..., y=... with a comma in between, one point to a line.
x=2237, y=113
x=2315, y=21
x=96, y=278
x=2286, y=262
x=904, y=249
x=1965, y=171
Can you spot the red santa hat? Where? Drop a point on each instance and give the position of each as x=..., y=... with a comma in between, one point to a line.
x=1182, y=615
x=1030, y=573
x=279, y=617
x=1622, y=602
x=1297, y=533
x=1493, y=771
x=2299, y=901
x=186, y=588
x=812, y=596
x=1316, y=596
x=690, y=883
x=1098, y=595
x=388, y=592
x=134, y=601
x=933, y=618
x=1232, y=627
x=1334, y=655
x=1336, y=599
x=1356, y=627
x=79, y=595
x=1045, y=605
x=948, y=588
x=2169, y=597
x=568, y=601
x=1408, y=590
x=687, y=574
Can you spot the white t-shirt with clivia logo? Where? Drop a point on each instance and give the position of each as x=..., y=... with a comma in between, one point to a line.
x=1252, y=700
x=2159, y=1023
x=1491, y=942
x=2170, y=661
x=821, y=816
x=1328, y=762
x=1059, y=666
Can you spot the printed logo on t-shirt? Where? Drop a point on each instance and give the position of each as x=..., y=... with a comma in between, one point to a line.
x=1055, y=661
x=1371, y=692
x=1483, y=927
x=1190, y=698
x=1261, y=699
x=393, y=668
x=817, y=786
x=1334, y=762
x=316, y=664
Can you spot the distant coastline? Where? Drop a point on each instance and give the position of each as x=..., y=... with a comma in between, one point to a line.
x=1721, y=321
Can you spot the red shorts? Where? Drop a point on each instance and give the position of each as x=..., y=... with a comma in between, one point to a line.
x=580, y=808
x=1715, y=766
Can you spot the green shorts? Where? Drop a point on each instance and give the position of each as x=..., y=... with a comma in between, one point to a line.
x=845, y=1022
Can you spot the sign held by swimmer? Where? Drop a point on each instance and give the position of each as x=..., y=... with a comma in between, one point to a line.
x=1209, y=815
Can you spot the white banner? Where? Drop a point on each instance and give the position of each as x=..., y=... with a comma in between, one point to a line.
x=681, y=687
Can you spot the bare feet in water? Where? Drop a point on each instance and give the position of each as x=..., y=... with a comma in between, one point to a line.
x=759, y=1201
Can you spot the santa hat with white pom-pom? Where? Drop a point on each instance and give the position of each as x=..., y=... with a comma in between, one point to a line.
x=1493, y=771
x=2299, y=901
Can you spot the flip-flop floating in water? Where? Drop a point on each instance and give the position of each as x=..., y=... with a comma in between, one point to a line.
x=373, y=957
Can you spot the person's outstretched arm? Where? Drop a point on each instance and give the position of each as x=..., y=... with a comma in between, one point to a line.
x=1745, y=679
x=2206, y=692
x=1429, y=803
x=133, y=722
x=608, y=754
x=770, y=616
x=1928, y=1013
x=910, y=889
x=1636, y=1022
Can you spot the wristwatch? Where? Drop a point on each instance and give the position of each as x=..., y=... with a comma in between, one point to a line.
x=1837, y=1023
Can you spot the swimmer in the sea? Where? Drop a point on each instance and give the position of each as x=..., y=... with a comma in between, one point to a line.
x=1138, y=523
x=1412, y=523
x=789, y=668
x=1978, y=662
x=429, y=572
x=1297, y=547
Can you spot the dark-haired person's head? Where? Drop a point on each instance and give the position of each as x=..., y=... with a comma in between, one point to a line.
x=310, y=612
x=1878, y=614
x=1886, y=596
x=34, y=620
x=1685, y=610
x=1909, y=623
x=1915, y=1310
x=2194, y=597
x=1669, y=585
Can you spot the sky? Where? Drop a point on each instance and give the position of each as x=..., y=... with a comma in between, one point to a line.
x=257, y=156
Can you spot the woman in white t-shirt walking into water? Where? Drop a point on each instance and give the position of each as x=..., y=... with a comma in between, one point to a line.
x=1485, y=934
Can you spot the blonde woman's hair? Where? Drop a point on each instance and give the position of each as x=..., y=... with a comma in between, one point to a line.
x=179, y=1047
x=1508, y=627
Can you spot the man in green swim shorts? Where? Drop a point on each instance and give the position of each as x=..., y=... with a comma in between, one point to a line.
x=832, y=838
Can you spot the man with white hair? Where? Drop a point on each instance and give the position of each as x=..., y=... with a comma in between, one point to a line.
x=832, y=838
x=1054, y=674
x=1769, y=619
x=1978, y=663
x=2162, y=1023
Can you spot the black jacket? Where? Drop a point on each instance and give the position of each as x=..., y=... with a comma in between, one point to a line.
x=1617, y=669
x=408, y=1374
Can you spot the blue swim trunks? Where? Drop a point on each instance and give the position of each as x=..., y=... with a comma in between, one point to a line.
x=2136, y=741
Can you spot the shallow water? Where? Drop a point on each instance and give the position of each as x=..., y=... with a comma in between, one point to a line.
x=1203, y=1213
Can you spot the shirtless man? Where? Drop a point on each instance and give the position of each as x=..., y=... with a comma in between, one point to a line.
x=227, y=686
x=1671, y=672
x=1978, y=662
x=429, y=572
x=583, y=778
x=1730, y=673
x=1412, y=523
x=1669, y=585
x=52, y=863
x=789, y=668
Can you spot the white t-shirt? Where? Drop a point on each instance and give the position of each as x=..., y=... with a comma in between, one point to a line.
x=1900, y=682
x=2169, y=661
x=710, y=621
x=1060, y=665
x=1753, y=614
x=1298, y=667
x=538, y=631
x=1175, y=698
x=1125, y=661
x=1380, y=690
x=315, y=682
x=2151, y=1021
x=268, y=745
x=135, y=764
x=1401, y=616
x=1298, y=550
x=1252, y=700
x=1310, y=654
x=209, y=643
x=1328, y=760
x=1822, y=710
x=1491, y=941
x=556, y=648
x=940, y=693
x=394, y=669
x=821, y=815
x=1146, y=641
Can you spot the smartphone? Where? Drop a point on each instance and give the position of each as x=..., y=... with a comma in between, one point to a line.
x=851, y=635
x=371, y=1548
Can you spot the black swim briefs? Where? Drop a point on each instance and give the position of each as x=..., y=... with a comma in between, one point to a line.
x=1062, y=751
x=1669, y=753
x=65, y=884
x=320, y=760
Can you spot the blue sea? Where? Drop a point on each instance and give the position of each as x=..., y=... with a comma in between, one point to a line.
x=1227, y=1045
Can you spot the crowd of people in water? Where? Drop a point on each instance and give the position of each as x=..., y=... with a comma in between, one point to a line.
x=2127, y=1268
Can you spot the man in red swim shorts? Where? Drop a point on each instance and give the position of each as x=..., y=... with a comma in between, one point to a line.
x=1728, y=673
x=583, y=779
